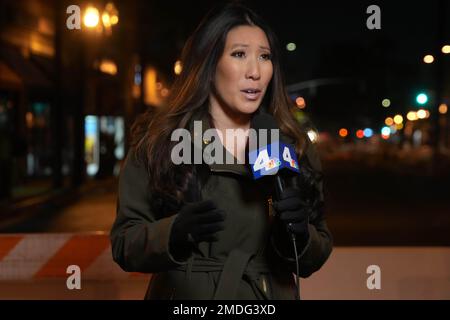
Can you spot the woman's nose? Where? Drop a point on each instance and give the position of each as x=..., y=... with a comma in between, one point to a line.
x=252, y=71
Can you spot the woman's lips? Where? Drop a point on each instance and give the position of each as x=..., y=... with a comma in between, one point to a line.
x=252, y=95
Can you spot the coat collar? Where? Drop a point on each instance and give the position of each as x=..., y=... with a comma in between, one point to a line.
x=206, y=123
x=235, y=168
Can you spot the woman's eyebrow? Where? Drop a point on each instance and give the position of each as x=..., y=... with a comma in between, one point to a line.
x=246, y=45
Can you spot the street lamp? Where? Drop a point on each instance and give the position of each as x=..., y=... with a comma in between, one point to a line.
x=443, y=108
x=422, y=98
x=386, y=103
x=109, y=17
x=91, y=17
x=291, y=46
x=428, y=59
x=398, y=119
x=412, y=116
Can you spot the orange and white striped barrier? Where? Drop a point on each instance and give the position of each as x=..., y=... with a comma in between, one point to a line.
x=404, y=272
x=48, y=255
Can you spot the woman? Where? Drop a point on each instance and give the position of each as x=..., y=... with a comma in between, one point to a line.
x=209, y=231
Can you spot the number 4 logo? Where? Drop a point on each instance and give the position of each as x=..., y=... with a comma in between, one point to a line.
x=262, y=160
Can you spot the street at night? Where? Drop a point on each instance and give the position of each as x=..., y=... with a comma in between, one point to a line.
x=359, y=92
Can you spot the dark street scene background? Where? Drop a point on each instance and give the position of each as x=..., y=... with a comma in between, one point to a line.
x=373, y=101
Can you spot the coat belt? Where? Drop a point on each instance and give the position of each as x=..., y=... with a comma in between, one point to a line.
x=238, y=264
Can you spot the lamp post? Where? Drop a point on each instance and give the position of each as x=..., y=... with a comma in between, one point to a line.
x=100, y=22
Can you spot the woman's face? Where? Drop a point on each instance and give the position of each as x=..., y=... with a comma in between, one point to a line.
x=244, y=70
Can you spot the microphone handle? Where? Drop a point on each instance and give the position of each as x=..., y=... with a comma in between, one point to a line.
x=279, y=186
x=279, y=190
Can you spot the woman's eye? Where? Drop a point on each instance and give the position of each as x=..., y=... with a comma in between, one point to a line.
x=266, y=56
x=238, y=54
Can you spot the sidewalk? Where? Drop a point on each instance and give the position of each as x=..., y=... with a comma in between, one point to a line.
x=30, y=270
x=19, y=216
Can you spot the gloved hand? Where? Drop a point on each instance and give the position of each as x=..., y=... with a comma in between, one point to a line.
x=294, y=210
x=196, y=222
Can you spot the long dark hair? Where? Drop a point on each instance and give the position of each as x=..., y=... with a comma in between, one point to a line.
x=189, y=94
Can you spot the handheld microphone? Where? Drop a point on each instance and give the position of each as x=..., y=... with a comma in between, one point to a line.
x=270, y=156
x=273, y=157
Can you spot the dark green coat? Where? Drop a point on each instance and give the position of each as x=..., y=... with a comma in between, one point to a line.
x=246, y=262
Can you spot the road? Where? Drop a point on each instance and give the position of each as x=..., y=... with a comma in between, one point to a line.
x=363, y=208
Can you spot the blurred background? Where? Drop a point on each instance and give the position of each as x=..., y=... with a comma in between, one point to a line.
x=374, y=101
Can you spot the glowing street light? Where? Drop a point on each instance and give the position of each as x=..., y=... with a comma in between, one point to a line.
x=300, y=102
x=368, y=132
x=422, y=98
x=421, y=114
x=109, y=17
x=412, y=116
x=360, y=134
x=343, y=132
x=398, y=119
x=291, y=46
x=446, y=49
x=106, y=19
x=443, y=108
x=428, y=59
x=386, y=103
x=385, y=131
x=112, y=12
x=108, y=66
x=389, y=121
x=91, y=17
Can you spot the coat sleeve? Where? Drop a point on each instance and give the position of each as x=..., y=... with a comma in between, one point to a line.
x=139, y=238
x=314, y=253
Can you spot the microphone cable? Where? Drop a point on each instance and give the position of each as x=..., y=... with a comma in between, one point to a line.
x=297, y=277
x=279, y=188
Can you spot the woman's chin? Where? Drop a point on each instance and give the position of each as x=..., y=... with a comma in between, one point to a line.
x=248, y=108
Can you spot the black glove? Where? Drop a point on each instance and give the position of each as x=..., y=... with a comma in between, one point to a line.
x=196, y=222
x=294, y=211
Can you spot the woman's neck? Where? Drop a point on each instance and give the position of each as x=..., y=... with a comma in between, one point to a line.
x=227, y=120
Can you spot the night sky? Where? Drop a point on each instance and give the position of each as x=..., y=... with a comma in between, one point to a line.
x=332, y=41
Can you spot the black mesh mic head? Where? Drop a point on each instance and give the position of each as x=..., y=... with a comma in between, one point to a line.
x=265, y=121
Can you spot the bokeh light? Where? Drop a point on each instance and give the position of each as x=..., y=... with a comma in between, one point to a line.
x=91, y=17
x=412, y=116
x=300, y=102
x=360, y=134
x=368, y=132
x=386, y=103
x=421, y=114
x=389, y=121
x=398, y=119
x=343, y=132
x=291, y=46
x=428, y=59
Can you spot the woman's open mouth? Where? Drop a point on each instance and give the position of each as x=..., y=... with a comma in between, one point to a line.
x=251, y=94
